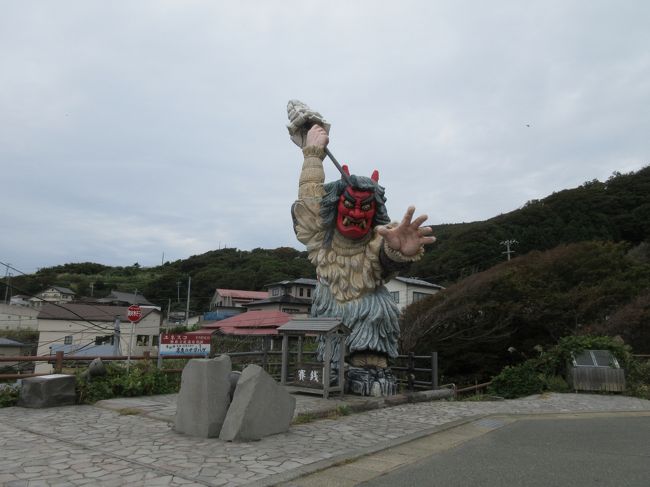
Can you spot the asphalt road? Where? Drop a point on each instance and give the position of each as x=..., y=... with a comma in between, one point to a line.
x=603, y=451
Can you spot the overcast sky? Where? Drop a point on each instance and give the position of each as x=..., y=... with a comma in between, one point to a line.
x=133, y=128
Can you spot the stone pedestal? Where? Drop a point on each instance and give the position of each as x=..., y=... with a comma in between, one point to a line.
x=374, y=382
x=204, y=397
x=48, y=391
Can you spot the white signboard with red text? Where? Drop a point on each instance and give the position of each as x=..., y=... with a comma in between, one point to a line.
x=183, y=344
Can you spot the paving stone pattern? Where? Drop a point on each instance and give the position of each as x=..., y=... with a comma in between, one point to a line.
x=88, y=445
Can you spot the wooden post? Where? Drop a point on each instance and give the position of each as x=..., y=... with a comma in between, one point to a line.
x=147, y=358
x=410, y=377
x=285, y=359
x=434, y=370
x=265, y=356
x=58, y=366
x=300, y=349
x=327, y=365
x=341, y=363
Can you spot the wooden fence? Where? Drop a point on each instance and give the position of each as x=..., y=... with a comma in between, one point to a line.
x=412, y=371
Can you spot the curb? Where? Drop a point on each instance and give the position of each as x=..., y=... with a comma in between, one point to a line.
x=346, y=458
x=374, y=403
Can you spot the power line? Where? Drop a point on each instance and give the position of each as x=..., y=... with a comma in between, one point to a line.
x=63, y=307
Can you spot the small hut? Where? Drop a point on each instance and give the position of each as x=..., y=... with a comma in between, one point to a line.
x=596, y=370
x=314, y=377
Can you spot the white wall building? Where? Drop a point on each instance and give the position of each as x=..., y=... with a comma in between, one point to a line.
x=53, y=294
x=84, y=325
x=407, y=290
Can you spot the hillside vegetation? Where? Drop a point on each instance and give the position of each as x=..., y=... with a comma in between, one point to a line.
x=531, y=302
x=225, y=268
x=617, y=210
x=582, y=265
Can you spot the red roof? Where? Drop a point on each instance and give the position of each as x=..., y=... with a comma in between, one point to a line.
x=249, y=323
x=237, y=293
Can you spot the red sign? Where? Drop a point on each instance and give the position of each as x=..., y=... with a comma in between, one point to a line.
x=134, y=313
x=181, y=338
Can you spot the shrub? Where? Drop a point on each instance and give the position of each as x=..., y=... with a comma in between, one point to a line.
x=140, y=380
x=517, y=381
x=545, y=373
x=8, y=395
x=638, y=379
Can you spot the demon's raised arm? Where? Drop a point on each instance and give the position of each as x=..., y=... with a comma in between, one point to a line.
x=355, y=249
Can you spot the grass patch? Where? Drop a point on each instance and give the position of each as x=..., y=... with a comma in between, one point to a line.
x=304, y=418
x=129, y=411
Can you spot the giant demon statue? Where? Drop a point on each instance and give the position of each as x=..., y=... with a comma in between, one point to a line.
x=355, y=249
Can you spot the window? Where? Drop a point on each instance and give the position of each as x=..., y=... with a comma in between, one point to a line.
x=142, y=340
x=67, y=340
x=395, y=296
x=301, y=291
x=291, y=310
x=102, y=340
x=418, y=296
x=154, y=340
x=275, y=291
x=309, y=292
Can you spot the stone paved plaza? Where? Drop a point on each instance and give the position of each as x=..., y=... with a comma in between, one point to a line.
x=91, y=445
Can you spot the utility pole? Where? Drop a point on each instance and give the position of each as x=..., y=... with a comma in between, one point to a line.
x=116, y=336
x=508, y=243
x=7, y=282
x=178, y=291
x=169, y=308
x=187, y=307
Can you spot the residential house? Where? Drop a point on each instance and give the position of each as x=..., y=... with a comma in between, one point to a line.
x=235, y=298
x=17, y=317
x=293, y=297
x=407, y=290
x=87, y=325
x=53, y=294
x=19, y=300
x=12, y=348
x=249, y=324
x=118, y=298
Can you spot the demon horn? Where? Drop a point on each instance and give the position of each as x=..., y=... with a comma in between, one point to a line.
x=346, y=169
x=375, y=176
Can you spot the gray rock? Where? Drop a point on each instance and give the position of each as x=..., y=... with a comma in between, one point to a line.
x=96, y=368
x=433, y=395
x=260, y=407
x=204, y=397
x=47, y=391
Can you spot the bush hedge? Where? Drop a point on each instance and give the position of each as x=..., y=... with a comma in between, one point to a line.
x=142, y=379
x=545, y=373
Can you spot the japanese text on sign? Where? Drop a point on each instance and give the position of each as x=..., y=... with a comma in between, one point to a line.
x=183, y=344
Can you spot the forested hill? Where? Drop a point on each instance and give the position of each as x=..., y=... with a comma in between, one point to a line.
x=224, y=268
x=617, y=210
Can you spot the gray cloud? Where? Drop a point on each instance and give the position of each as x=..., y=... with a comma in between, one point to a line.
x=129, y=129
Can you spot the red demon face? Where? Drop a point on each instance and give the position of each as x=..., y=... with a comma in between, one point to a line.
x=356, y=211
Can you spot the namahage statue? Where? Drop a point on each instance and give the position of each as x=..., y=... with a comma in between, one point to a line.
x=355, y=248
